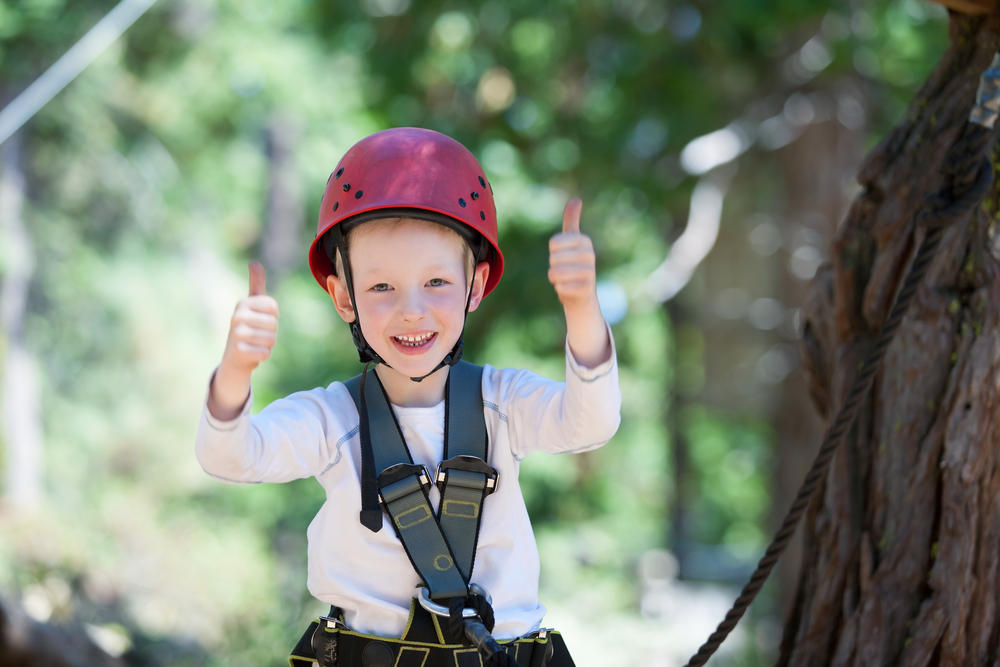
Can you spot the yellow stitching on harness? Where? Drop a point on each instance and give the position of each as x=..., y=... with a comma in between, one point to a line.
x=479, y=658
x=414, y=649
x=517, y=650
x=425, y=514
x=457, y=508
x=409, y=619
x=443, y=562
x=437, y=628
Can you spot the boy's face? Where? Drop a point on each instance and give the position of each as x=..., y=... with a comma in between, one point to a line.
x=411, y=280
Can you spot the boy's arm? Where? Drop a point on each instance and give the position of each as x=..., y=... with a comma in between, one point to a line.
x=252, y=333
x=573, y=275
x=288, y=439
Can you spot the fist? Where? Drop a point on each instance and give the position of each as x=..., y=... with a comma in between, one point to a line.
x=572, y=262
x=253, y=328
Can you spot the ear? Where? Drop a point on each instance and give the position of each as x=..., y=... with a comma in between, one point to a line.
x=479, y=276
x=341, y=298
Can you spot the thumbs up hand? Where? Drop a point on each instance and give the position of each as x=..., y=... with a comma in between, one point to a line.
x=253, y=330
x=572, y=261
x=573, y=274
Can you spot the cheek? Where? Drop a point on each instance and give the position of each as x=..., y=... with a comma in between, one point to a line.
x=372, y=310
x=450, y=304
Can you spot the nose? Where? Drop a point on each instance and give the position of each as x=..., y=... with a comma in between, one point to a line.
x=412, y=307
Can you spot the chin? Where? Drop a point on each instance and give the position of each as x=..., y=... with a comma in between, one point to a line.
x=410, y=367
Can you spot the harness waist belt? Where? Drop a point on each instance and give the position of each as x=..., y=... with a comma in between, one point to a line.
x=329, y=643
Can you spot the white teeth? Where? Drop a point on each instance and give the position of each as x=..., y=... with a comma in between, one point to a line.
x=414, y=340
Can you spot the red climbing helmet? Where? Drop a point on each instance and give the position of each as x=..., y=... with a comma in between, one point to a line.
x=408, y=168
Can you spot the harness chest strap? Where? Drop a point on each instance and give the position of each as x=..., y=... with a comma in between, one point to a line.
x=442, y=547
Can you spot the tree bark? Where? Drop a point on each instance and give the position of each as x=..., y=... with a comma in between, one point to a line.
x=901, y=559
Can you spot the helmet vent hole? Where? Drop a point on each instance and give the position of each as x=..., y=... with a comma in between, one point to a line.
x=461, y=202
x=347, y=187
x=336, y=205
x=340, y=172
x=482, y=181
x=359, y=194
x=482, y=216
x=474, y=195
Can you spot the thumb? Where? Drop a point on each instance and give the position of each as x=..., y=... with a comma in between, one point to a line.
x=258, y=279
x=571, y=215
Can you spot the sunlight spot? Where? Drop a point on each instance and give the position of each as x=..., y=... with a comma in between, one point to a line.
x=495, y=91
x=381, y=8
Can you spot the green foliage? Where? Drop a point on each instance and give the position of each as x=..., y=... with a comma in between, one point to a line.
x=147, y=191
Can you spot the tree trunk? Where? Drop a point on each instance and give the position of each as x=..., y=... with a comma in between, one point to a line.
x=901, y=558
x=281, y=247
x=20, y=416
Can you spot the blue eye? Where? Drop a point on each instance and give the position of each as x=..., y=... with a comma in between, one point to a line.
x=437, y=282
x=380, y=287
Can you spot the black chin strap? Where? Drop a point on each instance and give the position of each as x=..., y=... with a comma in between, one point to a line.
x=365, y=352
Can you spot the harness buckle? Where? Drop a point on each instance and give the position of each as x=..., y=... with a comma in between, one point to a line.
x=424, y=598
x=400, y=479
x=333, y=623
x=466, y=463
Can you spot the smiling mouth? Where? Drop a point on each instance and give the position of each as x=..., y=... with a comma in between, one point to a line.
x=414, y=341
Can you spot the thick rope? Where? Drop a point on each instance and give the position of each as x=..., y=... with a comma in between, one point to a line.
x=971, y=175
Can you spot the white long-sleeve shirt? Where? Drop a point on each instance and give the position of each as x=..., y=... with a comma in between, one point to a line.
x=315, y=434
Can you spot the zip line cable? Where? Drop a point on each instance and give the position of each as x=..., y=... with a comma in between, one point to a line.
x=23, y=107
x=968, y=177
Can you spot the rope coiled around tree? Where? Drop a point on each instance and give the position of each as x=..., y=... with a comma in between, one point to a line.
x=970, y=174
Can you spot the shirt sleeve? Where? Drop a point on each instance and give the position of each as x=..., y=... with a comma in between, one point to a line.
x=577, y=415
x=294, y=437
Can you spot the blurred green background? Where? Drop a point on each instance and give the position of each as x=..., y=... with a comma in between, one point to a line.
x=714, y=146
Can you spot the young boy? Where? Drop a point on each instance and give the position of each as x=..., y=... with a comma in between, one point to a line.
x=406, y=247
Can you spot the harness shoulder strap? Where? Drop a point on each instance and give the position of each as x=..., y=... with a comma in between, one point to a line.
x=441, y=549
x=464, y=476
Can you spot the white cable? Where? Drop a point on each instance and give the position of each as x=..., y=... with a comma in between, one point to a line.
x=63, y=71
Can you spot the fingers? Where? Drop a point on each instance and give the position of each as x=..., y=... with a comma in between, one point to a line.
x=258, y=279
x=253, y=327
x=253, y=331
x=571, y=259
x=572, y=269
x=571, y=216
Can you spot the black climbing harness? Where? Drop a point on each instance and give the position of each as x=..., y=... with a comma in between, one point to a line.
x=969, y=176
x=440, y=545
x=329, y=642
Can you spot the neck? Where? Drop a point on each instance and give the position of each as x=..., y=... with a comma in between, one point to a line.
x=404, y=392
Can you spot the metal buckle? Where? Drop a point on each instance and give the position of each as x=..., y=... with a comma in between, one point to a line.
x=334, y=623
x=468, y=464
x=424, y=598
x=400, y=471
